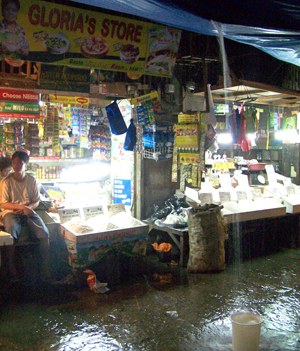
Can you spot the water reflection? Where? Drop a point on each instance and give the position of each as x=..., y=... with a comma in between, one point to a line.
x=191, y=312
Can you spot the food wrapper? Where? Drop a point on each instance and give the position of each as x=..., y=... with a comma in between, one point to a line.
x=94, y=284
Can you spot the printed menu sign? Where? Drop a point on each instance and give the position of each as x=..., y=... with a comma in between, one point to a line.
x=63, y=35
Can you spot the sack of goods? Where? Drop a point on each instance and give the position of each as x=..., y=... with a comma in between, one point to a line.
x=207, y=234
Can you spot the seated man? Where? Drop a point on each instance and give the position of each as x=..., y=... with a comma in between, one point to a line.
x=20, y=196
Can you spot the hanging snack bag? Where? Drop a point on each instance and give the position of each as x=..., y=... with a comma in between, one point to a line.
x=115, y=119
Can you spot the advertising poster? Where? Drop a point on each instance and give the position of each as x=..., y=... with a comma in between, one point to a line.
x=289, y=123
x=47, y=32
x=122, y=191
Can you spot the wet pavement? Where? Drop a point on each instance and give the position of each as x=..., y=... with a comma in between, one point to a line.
x=161, y=308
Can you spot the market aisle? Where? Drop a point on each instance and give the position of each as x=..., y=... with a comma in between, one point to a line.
x=162, y=311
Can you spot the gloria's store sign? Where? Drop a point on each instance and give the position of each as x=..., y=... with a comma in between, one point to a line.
x=64, y=35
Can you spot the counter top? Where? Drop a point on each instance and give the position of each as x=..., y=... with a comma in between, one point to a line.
x=248, y=210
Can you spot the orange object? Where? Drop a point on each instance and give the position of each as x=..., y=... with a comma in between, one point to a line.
x=91, y=280
x=162, y=247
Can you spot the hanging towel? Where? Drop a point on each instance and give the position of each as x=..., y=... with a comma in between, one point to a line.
x=243, y=140
x=130, y=139
x=115, y=119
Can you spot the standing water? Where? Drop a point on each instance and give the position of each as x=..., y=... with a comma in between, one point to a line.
x=185, y=312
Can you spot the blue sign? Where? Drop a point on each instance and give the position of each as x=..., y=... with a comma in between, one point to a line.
x=122, y=191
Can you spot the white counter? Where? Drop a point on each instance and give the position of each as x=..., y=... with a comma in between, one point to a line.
x=248, y=210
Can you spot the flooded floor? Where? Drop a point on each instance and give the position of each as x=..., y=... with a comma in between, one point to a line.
x=169, y=310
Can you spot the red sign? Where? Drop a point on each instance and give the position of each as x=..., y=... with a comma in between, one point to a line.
x=19, y=115
x=19, y=95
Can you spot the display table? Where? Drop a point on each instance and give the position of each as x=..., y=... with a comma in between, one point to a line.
x=174, y=233
x=248, y=210
x=292, y=203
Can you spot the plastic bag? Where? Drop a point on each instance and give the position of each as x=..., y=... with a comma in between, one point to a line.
x=130, y=139
x=115, y=119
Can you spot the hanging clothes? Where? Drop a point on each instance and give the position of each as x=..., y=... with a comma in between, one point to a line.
x=243, y=139
x=250, y=115
x=234, y=121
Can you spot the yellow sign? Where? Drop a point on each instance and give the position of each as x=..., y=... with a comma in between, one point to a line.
x=144, y=98
x=69, y=100
x=63, y=35
x=187, y=138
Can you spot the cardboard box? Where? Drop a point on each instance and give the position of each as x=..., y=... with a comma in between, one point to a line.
x=53, y=227
x=6, y=239
x=87, y=249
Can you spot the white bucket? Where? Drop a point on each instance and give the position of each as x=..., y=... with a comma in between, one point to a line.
x=246, y=331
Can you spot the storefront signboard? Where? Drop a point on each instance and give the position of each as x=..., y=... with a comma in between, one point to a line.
x=19, y=110
x=77, y=100
x=62, y=78
x=19, y=95
x=63, y=35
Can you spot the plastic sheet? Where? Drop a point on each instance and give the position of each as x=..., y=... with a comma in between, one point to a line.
x=251, y=27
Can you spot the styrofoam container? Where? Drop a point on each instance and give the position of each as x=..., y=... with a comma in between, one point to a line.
x=6, y=239
x=246, y=331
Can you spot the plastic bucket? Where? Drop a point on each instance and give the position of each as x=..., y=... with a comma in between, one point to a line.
x=246, y=331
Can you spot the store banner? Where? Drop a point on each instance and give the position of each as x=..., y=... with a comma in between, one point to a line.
x=18, y=95
x=62, y=78
x=64, y=35
x=19, y=110
x=77, y=100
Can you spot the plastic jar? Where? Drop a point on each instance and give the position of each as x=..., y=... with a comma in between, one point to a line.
x=73, y=152
x=67, y=152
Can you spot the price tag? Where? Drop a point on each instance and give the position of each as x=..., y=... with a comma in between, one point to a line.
x=115, y=208
x=287, y=182
x=269, y=169
x=93, y=211
x=241, y=195
x=225, y=181
x=256, y=194
x=224, y=196
x=243, y=180
x=205, y=198
x=290, y=189
x=276, y=191
x=67, y=214
x=272, y=179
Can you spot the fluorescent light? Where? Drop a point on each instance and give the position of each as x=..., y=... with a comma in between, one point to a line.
x=224, y=138
x=86, y=172
x=287, y=136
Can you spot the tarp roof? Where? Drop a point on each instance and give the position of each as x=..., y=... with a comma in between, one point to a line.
x=269, y=25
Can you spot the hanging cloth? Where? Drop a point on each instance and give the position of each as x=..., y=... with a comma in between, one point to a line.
x=234, y=122
x=250, y=115
x=130, y=139
x=115, y=119
x=243, y=140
